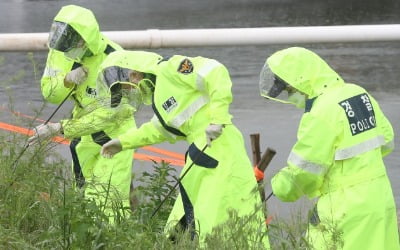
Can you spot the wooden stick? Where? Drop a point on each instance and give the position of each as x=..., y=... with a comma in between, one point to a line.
x=262, y=165
x=255, y=147
x=266, y=159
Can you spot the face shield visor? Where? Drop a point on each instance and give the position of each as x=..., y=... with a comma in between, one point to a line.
x=274, y=88
x=64, y=38
x=117, y=82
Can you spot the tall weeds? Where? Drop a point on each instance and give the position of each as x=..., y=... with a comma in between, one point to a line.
x=42, y=209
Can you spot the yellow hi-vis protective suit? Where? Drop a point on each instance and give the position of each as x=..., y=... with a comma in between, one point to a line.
x=92, y=123
x=191, y=93
x=341, y=140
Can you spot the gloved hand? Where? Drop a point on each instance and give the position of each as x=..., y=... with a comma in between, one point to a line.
x=76, y=77
x=213, y=131
x=111, y=148
x=44, y=131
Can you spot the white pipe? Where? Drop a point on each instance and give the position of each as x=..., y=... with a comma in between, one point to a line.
x=154, y=38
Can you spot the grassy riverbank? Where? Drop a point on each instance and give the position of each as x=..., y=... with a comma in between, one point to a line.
x=41, y=209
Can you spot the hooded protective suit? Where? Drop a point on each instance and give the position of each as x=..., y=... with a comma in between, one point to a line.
x=93, y=122
x=190, y=94
x=341, y=140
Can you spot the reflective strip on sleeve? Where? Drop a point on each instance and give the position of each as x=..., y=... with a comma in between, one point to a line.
x=161, y=129
x=388, y=146
x=365, y=146
x=308, y=166
x=203, y=72
x=189, y=111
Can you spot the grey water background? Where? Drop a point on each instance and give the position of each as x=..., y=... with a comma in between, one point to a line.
x=374, y=66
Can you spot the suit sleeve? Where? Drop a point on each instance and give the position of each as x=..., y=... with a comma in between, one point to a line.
x=148, y=133
x=99, y=119
x=218, y=85
x=308, y=161
x=384, y=128
x=52, y=81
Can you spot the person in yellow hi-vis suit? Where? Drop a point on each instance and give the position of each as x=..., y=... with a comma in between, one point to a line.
x=191, y=102
x=342, y=138
x=76, y=50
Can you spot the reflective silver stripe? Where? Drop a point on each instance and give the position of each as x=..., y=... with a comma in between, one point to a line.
x=189, y=111
x=306, y=165
x=50, y=72
x=203, y=72
x=161, y=129
x=360, y=148
x=388, y=146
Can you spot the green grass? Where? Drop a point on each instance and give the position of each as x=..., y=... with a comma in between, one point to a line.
x=41, y=209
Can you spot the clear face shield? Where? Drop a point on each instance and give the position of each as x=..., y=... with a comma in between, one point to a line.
x=274, y=88
x=64, y=38
x=118, y=83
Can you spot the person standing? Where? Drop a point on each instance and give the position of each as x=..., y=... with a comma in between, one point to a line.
x=191, y=98
x=76, y=50
x=342, y=137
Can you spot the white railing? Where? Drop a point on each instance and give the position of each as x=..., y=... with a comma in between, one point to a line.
x=154, y=38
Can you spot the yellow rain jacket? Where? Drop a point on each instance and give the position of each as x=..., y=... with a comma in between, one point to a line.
x=341, y=140
x=191, y=93
x=93, y=121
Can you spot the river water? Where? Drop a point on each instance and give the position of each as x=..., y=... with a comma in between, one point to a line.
x=374, y=66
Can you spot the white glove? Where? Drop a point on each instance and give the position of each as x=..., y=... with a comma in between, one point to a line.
x=43, y=132
x=111, y=148
x=76, y=76
x=213, y=131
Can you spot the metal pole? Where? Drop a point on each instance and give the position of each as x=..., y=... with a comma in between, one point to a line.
x=269, y=196
x=14, y=164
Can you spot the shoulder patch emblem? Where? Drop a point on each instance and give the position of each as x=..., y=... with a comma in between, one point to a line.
x=185, y=67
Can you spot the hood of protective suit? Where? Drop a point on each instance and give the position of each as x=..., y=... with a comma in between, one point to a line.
x=141, y=61
x=304, y=70
x=116, y=68
x=84, y=22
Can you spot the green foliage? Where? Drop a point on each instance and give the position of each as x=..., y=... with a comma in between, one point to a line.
x=239, y=232
x=156, y=192
x=289, y=234
x=41, y=209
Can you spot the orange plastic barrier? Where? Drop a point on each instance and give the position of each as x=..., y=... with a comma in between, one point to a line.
x=177, y=159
